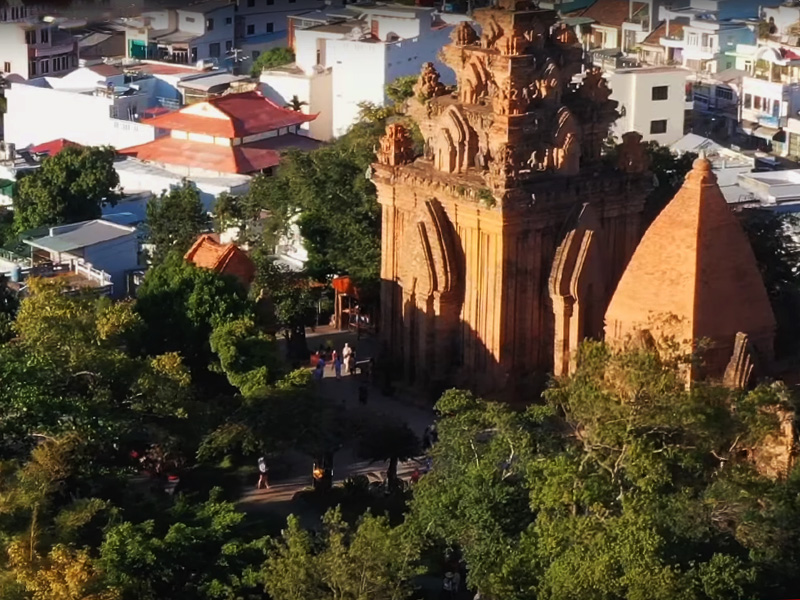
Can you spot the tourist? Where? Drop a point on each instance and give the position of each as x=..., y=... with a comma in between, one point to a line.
x=434, y=434
x=337, y=366
x=351, y=363
x=451, y=584
x=346, y=352
x=415, y=476
x=263, y=474
x=319, y=372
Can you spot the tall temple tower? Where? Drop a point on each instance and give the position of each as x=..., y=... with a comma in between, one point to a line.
x=502, y=243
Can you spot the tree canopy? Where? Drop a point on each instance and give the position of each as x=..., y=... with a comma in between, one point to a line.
x=275, y=57
x=181, y=305
x=174, y=220
x=70, y=187
x=623, y=485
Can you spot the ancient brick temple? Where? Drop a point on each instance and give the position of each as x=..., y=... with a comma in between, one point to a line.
x=503, y=242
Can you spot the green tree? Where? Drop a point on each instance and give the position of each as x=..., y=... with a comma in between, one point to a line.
x=181, y=305
x=401, y=89
x=778, y=257
x=8, y=309
x=625, y=484
x=69, y=187
x=174, y=220
x=248, y=357
x=276, y=57
x=292, y=298
x=227, y=212
x=369, y=562
x=327, y=194
x=195, y=552
x=389, y=442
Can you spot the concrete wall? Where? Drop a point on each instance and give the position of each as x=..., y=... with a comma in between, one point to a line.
x=404, y=28
x=634, y=91
x=260, y=14
x=115, y=257
x=316, y=90
x=13, y=50
x=36, y=115
x=222, y=33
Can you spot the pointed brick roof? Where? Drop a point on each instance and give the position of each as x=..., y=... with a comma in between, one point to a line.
x=226, y=259
x=695, y=262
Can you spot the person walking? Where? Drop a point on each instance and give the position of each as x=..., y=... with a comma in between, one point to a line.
x=346, y=352
x=337, y=367
x=263, y=474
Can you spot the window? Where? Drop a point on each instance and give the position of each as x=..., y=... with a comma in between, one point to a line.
x=270, y=2
x=256, y=54
x=660, y=92
x=724, y=93
x=213, y=50
x=251, y=3
x=44, y=35
x=251, y=29
x=748, y=101
x=728, y=64
x=270, y=27
x=32, y=68
x=659, y=126
x=757, y=102
x=6, y=67
x=228, y=46
x=190, y=19
x=228, y=20
x=44, y=66
x=30, y=37
x=209, y=24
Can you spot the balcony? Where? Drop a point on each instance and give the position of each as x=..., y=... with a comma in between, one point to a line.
x=46, y=51
x=672, y=42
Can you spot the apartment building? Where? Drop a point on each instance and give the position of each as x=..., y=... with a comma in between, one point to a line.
x=34, y=47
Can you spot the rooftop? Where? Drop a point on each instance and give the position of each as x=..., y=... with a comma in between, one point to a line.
x=248, y=113
x=212, y=80
x=612, y=13
x=53, y=147
x=675, y=32
x=80, y=235
x=242, y=159
x=227, y=259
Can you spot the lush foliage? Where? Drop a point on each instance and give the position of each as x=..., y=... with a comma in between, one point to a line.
x=174, y=220
x=69, y=187
x=772, y=238
x=182, y=304
x=274, y=57
x=372, y=561
x=623, y=485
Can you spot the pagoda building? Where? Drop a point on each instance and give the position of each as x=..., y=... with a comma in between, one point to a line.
x=694, y=279
x=502, y=243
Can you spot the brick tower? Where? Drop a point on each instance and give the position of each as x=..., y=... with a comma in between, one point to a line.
x=694, y=277
x=502, y=243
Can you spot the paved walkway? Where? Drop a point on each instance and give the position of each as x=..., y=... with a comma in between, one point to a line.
x=399, y=408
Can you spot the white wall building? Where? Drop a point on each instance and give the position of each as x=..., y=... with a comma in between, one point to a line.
x=197, y=32
x=263, y=24
x=33, y=48
x=652, y=101
x=92, y=106
x=711, y=30
x=339, y=65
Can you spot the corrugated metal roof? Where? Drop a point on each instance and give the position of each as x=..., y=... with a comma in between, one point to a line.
x=82, y=235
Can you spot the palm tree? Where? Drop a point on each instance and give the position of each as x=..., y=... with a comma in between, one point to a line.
x=296, y=104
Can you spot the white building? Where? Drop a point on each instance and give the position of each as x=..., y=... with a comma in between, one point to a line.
x=652, y=101
x=96, y=105
x=341, y=64
x=33, y=48
x=710, y=30
x=264, y=24
x=196, y=32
